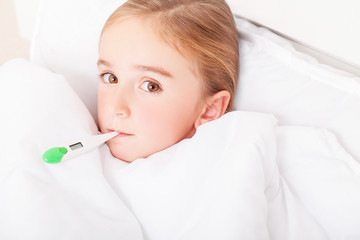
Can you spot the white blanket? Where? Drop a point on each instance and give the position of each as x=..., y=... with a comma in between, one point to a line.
x=240, y=177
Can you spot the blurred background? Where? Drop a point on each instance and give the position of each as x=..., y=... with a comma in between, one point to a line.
x=15, y=40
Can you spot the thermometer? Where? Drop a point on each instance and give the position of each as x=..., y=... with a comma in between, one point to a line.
x=57, y=154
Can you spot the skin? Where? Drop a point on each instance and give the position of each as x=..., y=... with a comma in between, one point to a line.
x=148, y=91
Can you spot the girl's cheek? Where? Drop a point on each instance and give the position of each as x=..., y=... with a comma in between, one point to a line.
x=104, y=97
x=152, y=118
x=103, y=101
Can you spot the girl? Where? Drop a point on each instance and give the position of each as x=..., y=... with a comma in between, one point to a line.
x=166, y=67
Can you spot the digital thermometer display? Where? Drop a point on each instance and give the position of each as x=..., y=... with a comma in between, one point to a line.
x=76, y=146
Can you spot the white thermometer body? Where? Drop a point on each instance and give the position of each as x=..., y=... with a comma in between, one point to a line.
x=58, y=154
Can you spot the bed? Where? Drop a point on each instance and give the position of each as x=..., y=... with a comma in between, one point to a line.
x=285, y=165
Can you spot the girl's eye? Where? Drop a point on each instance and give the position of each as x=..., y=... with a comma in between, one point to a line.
x=109, y=78
x=150, y=86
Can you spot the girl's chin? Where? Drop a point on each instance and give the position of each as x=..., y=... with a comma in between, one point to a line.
x=123, y=156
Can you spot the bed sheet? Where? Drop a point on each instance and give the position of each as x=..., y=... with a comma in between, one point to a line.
x=240, y=177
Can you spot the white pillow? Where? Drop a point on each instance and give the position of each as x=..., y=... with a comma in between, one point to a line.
x=274, y=78
x=66, y=41
x=277, y=79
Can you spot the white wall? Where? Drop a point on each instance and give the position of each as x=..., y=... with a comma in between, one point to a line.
x=17, y=24
x=332, y=26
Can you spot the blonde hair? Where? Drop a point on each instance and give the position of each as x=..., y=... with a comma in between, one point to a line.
x=203, y=29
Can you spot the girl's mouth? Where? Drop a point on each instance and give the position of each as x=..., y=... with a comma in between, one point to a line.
x=121, y=134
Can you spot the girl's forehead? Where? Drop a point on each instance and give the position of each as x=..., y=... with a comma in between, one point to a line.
x=136, y=39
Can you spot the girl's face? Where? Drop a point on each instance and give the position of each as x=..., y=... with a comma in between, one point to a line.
x=148, y=92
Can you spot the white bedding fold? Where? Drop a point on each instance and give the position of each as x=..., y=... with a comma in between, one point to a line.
x=323, y=178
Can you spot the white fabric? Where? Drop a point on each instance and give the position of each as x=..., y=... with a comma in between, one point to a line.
x=66, y=41
x=320, y=187
x=222, y=184
x=72, y=200
x=274, y=77
x=208, y=187
x=323, y=177
x=240, y=177
x=277, y=79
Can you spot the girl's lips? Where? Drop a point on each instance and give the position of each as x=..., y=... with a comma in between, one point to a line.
x=121, y=134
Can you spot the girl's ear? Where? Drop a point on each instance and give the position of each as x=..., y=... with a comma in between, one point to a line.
x=215, y=107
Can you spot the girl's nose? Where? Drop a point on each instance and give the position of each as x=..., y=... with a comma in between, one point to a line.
x=121, y=103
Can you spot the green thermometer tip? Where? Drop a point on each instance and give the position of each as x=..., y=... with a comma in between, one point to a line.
x=54, y=155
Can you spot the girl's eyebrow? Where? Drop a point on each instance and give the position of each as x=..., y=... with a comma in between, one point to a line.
x=103, y=62
x=158, y=70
